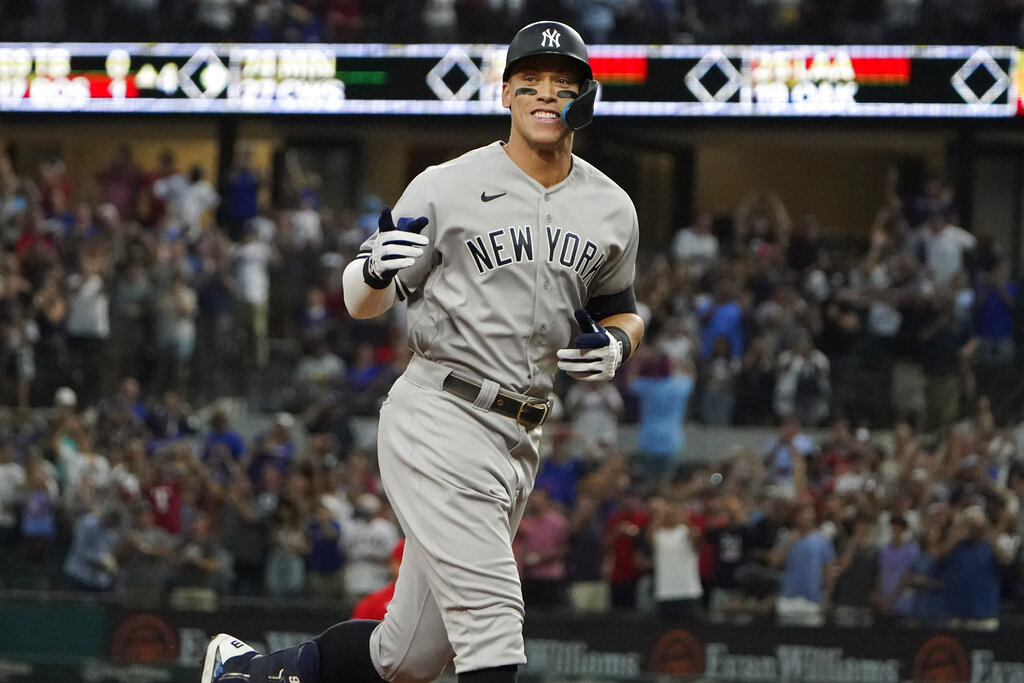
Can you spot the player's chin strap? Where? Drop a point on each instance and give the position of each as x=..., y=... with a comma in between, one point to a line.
x=580, y=111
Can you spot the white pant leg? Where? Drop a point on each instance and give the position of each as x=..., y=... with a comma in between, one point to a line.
x=457, y=477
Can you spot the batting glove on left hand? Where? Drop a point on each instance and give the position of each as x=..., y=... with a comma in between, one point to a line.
x=595, y=355
x=396, y=247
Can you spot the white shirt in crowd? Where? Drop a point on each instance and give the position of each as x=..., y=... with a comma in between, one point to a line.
x=944, y=251
x=88, y=307
x=251, y=259
x=676, y=570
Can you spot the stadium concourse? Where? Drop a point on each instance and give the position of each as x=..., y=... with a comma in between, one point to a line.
x=189, y=413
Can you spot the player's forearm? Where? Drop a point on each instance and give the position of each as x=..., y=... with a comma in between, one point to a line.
x=361, y=300
x=630, y=323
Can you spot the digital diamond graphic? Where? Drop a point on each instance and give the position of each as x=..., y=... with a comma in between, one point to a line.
x=713, y=60
x=981, y=59
x=213, y=75
x=455, y=58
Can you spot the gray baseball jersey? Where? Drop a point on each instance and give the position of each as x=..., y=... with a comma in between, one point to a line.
x=518, y=259
x=492, y=299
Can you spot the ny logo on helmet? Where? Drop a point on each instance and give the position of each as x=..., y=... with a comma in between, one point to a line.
x=550, y=38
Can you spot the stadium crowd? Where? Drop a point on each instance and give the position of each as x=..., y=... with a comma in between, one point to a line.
x=886, y=366
x=599, y=21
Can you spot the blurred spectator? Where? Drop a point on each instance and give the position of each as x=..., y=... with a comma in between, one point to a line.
x=368, y=545
x=730, y=541
x=324, y=560
x=807, y=578
x=624, y=548
x=803, y=386
x=588, y=587
x=199, y=568
x=245, y=530
x=12, y=489
x=946, y=345
x=561, y=470
x=189, y=197
x=38, y=514
x=755, y=381
x=718, y=384
x=285, y=574
x=91, y=564
x=241, y=194
x=318, y=373
x=695, y=247
x=215, y=20
x=972, y=576
x=595, y=409
x=130, y=308
x=542, y=543
x=164, y=493
x=121, y=183
x=673, y=538
x=995, y=303
x=365, y=380
x=663, y=391
x=144, y=553
x=785, y=458
x=895, y=562
x=723, y=318
x=945, y=246
x=596, y=19
x=251, y=259
x=216, y=330
x=375, y=605
x=222, y=446
x=175, y=313
x=88, y=327
x=275, y=448
x=856, y=571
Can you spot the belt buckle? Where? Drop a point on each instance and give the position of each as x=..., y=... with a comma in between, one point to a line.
x=545, y=406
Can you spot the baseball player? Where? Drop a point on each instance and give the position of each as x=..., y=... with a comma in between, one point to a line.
x=516, y=260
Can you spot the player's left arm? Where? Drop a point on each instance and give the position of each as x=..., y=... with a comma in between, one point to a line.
x=601, y=347
x=631, y=324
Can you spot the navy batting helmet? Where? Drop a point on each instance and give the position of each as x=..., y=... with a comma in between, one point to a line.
x=548, y=38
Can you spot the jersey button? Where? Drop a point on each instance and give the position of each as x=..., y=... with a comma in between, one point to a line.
x=547, y=285
x=543, y=329
x=547, y=198
x=548, y=218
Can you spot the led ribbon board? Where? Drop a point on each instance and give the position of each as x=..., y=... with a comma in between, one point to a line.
x=444, y=79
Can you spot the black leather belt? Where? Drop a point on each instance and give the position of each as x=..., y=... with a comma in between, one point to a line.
x=530, y=414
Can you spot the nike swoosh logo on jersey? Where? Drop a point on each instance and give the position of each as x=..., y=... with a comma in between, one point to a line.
x=484, y=197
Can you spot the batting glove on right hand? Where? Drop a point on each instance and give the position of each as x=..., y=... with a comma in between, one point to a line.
x=396, y=247
x=595, y=355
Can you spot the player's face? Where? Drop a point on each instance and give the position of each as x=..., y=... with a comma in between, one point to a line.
x=536, y=92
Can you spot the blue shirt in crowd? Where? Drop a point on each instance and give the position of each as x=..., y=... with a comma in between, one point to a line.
x=804, y=575
x=972, y=581
x=662, y=408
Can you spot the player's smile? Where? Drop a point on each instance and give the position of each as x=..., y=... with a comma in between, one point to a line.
x=547, y=115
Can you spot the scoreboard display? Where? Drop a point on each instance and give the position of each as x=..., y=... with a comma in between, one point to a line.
x=439, y=79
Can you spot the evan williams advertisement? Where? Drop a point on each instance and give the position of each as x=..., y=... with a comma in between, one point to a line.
x=762, y=653
x=627, y=647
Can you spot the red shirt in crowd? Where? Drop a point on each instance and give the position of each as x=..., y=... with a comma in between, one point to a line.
x=165, y=497
x=374, y=605
x=623, y=546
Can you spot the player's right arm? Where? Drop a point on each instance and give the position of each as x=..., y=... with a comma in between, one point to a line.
x=369, y=280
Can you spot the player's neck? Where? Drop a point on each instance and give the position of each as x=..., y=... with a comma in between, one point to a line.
x=547, y=166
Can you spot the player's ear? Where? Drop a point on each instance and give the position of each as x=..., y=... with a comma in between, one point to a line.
x=506, y=95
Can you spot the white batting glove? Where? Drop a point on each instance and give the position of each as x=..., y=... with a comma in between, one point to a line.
x=395, y=248
x=595, y=355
